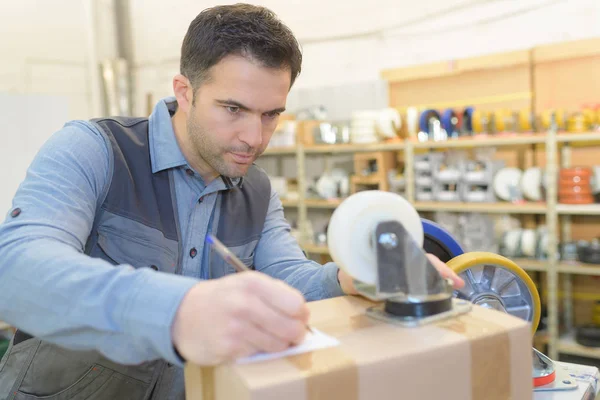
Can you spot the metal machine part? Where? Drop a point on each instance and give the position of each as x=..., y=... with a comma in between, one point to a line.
x=377, y=238
x=496, y=282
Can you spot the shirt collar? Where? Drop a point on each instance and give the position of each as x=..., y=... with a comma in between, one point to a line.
x=164, y=149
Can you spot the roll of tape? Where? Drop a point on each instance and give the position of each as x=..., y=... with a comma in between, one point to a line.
x=352, y=226
x=427, y=118
x=389, y=122
x=450, y=122
x=559, y=115
x=439, y=241
x=525, y=120
x=467, y=122
x=479, y=263
x=579, y=122
x=481, y=121
x=500, y=119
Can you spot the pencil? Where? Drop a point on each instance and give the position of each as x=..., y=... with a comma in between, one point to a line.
x=231, y=258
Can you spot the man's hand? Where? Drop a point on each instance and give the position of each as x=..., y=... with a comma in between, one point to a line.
x=347, y=283
x=236, y=316
x=446, y=271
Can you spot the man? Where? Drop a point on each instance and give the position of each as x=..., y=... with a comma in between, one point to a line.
x=103, y=262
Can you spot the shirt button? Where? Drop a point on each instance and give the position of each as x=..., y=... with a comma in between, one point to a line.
x=154, y=267
x=193, y=252
x=189, y=172
x=15, y=213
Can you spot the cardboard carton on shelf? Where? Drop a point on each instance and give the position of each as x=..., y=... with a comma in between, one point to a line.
x=484, y=354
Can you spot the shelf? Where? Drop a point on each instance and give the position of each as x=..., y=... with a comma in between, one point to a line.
x=315, y=249
x=486, y=140
x=492, y=208
x=578, y=137
x=578, y=209
x=579, y=268
x=355, y=147
x=366, y=180
x=529, y=264
x=314, y=203
x=568, y=345
x=289, y=203
x=318, y=203
x=280, y=150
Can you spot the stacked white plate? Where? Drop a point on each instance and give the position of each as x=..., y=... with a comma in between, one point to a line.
x=363, y=127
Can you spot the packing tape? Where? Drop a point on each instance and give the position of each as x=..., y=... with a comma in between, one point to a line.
x=496, y=348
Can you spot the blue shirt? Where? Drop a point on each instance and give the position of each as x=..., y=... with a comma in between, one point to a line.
x=50, y=289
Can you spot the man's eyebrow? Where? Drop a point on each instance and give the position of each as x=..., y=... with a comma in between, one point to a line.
x=230, y=102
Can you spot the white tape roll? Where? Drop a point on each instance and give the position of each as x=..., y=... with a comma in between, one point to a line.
x=352, y=226
x=389, y=122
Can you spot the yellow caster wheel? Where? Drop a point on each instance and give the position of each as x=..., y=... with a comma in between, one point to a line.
x=496, y=282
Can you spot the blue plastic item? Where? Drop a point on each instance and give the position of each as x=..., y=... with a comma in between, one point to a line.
x=439, y=241
x=424, y=120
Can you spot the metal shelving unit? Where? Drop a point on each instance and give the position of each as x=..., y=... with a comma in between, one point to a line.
x=556, y=215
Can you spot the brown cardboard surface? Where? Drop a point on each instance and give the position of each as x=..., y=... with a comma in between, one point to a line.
x=482, y=355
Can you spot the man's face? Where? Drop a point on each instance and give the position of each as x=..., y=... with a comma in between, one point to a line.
x=235, y=113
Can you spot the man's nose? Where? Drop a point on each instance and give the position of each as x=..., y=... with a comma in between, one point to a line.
x=252, y=132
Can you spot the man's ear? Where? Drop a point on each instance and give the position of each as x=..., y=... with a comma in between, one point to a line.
x=184, y=93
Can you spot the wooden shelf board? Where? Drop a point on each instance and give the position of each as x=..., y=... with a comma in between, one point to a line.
x=493, y=208
x=529, y=264
x=486, y=140
x=323, y=203
x=353, y=148
x=578, y=137
x=578, y=209
x=289, y=203
x=280, y=150
x=367, y=180
x=456, y=67
x=579, y=268
x=566, y=50
x=568, y=345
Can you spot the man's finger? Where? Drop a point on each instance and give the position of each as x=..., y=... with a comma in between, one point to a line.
x=446, y=271
x=280, y=296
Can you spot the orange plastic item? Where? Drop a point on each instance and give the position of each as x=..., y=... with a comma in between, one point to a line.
x=544, y=380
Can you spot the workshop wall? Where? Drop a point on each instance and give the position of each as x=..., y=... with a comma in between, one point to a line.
x=43, y=50
x=346, y=43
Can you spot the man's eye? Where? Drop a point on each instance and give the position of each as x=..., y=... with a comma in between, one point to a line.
x=232, y=109
x=273, y=114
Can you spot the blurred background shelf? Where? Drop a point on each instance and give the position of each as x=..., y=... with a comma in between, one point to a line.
x=568, y=345
x=502, y=208
x=578, y=209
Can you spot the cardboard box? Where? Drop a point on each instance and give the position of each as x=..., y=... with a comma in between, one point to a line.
x=484, y=354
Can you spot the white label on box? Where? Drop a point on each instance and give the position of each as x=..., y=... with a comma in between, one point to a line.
x=313, y=341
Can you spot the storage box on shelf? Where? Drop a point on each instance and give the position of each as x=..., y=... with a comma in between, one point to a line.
x=371, y=170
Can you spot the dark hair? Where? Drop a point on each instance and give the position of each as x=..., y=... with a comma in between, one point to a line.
x=242, y=29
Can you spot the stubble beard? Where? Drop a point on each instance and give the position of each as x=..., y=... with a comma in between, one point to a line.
x=210, y=152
